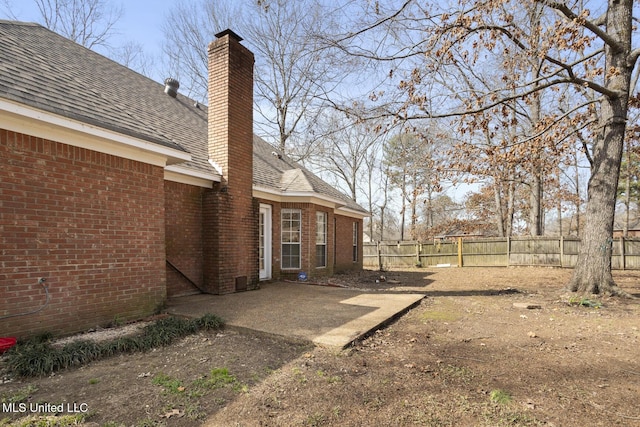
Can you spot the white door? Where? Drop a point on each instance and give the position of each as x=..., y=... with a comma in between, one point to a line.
x=265, y=242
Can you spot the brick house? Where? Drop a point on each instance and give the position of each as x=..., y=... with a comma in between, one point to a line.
x=121, y=192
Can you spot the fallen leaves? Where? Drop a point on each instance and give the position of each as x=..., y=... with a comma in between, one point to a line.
x=172, y=413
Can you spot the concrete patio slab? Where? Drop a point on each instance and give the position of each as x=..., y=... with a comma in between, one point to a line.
x=324, y=315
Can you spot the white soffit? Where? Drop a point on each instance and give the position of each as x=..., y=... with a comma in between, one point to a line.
x=306, y=197
x=184, y=175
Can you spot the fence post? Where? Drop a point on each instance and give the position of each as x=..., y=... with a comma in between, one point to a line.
x=460, y=252
x=508, y=251
x=418, y=247
x=561, y=251
x=623, y=255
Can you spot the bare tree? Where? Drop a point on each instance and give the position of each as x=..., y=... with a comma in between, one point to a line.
x=344, y=146
x=293, y=70
x=133, y=55
x=409, y=158
x=592, y=53
x=86, y=22
x=189, y=29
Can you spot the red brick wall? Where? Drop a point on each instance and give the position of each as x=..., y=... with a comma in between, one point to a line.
x=92, y=224
x=344, y=241
x=227, y=254
x=183, y=224
x=342, y=260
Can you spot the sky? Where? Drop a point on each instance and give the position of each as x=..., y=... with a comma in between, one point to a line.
x=141, y=22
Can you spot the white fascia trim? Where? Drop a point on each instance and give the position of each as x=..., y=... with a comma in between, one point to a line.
x=344, y=211
x=215, y=166
x=307, y=197
x=183, y=175
x=30, y=121
x=296, y=197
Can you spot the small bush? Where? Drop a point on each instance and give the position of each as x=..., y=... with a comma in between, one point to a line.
x=37, y=357
x=209, y=321
x=167, y=330
x=80, y=353
x=33, y=358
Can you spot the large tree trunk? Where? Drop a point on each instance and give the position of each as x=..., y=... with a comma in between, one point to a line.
x=536, y=185
x=592, y=274
x=510, y=206
x=500, y=216
x=536, y=218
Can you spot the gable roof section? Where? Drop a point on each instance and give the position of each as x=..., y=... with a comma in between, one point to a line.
x=279, y=175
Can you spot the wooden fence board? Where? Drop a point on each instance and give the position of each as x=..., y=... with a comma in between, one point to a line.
x=490, y=252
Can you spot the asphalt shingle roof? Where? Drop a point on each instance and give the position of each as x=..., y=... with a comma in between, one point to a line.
x=272, y=169
x=44, y=70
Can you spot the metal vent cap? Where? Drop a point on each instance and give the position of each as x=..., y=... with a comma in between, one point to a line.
x=171, y=87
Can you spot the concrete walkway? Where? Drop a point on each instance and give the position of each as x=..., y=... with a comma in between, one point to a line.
x=324, y=315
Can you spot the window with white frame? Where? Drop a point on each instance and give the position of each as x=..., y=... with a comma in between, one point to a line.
x=290, y=237
x=321, y=239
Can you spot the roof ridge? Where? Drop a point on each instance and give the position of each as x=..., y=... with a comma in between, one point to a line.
x=24, y=23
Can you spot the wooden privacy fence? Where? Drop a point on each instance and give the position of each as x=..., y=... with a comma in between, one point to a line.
x=494, y=252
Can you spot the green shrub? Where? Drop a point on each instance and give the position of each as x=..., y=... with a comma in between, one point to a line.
x=80, y=353
x=209, y=321
x=32, y=358
x=37, y=357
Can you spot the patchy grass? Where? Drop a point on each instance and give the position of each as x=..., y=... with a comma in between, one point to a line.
x=442, y=311
x=171, y=385
x=500, y=396
x=423, y=369
x=46, y=421
x=19, y=396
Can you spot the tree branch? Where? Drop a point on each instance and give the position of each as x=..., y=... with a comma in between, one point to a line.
x=633, y=57
x=563, y=116
x=564, y=10
x=375, y=24
x=567, y=67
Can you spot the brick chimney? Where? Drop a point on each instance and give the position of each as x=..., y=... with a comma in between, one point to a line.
x=231, y=213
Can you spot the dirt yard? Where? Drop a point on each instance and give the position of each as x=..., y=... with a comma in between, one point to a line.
x=471, y=354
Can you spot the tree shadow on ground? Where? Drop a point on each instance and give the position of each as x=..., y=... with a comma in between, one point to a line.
x=474, y=293
x=411, y=281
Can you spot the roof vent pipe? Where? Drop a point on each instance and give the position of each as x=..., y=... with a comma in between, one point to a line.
x=171, y=87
